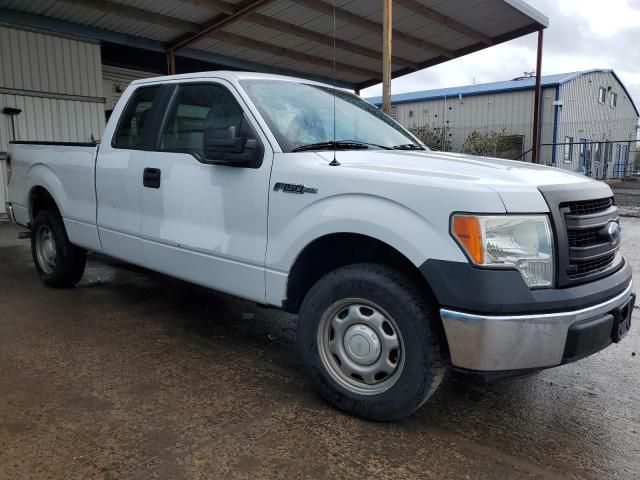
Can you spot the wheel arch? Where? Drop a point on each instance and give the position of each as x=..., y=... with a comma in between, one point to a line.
x=40, y=199
x=335, y=250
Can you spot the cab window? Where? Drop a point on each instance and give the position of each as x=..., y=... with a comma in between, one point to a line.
x=196, y=109
x=135, y=121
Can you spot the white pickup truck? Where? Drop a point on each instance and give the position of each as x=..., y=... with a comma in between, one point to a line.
x=401, y=262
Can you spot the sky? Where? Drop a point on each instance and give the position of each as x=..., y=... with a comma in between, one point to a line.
x=582, y=35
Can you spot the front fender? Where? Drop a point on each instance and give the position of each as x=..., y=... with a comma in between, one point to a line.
x=390, y=222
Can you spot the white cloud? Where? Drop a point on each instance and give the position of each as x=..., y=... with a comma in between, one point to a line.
x=604, y=18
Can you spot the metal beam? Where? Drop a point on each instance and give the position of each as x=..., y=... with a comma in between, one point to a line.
x=135, y=13
x=171, y=63
x=448, y=22
x=300, y=32
x=216, y=24
x=352, y=18
x=387, y=31
x=241, y=41
x=535, y=151
x=53, y=95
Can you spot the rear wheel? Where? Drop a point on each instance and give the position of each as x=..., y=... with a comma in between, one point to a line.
x=369, y=340
x=59, y=263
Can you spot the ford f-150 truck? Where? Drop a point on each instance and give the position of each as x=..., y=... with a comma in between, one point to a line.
x=402, y=263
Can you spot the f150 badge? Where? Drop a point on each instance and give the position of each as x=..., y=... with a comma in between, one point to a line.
x=293, y=188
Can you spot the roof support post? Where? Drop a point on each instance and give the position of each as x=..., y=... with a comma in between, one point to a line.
x=535, y=151
x=171, y=62
x=387, y=32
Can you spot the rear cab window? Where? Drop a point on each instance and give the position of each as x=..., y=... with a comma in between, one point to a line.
x=133, y=130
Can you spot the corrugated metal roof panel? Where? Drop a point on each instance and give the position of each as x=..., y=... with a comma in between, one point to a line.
x=178, y=9
x=170, y=19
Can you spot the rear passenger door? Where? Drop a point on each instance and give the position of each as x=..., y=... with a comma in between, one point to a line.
x=202, y=222
x=119, y=171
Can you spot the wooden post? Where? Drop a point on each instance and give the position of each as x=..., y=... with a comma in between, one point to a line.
x=171, y=62
x=387, y=30
x=535, y=151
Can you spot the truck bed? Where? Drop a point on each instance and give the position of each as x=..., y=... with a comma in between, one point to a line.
x=67, y=171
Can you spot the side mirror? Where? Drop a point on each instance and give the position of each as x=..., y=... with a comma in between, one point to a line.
x=224, y=146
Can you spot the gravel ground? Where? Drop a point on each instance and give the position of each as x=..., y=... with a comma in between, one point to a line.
x=627, y=196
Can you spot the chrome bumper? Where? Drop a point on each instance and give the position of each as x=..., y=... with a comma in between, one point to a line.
x=514, y=342
x=9, y=209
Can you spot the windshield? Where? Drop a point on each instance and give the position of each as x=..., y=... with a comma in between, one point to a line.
x=301, y=114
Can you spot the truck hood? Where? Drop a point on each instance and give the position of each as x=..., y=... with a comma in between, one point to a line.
x=516, y=182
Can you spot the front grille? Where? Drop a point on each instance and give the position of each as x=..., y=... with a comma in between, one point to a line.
x=588, y=207
x=590, y=253
x=591, y=267
x=584, y=238
x=585, y=251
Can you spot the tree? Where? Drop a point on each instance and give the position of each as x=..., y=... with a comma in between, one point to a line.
x=493, y=144
x=432, y=137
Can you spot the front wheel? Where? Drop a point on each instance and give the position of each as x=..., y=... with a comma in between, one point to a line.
x=59, y=263
x=370, y=342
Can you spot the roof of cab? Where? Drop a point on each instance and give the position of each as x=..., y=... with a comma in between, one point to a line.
x=224, y=74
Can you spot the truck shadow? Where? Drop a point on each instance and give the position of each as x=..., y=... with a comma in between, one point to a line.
x=204, y=316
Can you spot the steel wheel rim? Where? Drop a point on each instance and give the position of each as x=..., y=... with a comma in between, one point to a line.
x=349, y=333
x=46, y=249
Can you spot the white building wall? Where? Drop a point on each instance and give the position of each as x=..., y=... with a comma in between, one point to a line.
x=582, y=116
x=511, y=112
x=57, y=83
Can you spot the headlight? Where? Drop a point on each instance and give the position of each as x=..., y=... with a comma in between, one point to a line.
x=523, y=242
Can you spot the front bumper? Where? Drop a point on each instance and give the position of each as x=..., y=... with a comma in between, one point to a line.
x=493, y=343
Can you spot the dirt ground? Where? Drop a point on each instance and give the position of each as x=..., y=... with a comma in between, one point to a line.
x=136, y=375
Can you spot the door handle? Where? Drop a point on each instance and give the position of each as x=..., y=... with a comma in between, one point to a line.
x=151, y=177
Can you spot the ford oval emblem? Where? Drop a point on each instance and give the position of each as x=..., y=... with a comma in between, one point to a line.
x=612, y=231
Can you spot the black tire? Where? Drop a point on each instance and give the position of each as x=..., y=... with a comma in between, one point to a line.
x=67, y=267
x=414, y=313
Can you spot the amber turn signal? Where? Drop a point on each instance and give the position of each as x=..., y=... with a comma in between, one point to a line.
x=467, y=231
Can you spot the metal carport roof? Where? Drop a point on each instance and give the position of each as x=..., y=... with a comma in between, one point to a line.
x=289, y=36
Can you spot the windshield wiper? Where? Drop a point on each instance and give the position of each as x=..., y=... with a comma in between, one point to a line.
x=408, y=146
x=338, y=145
x=368, y=144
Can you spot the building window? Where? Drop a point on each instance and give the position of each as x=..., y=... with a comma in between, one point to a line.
x=568, y=149
x=614, y=100
x=602, y=95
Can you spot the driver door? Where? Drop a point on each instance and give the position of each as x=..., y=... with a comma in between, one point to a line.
x=202, y=222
